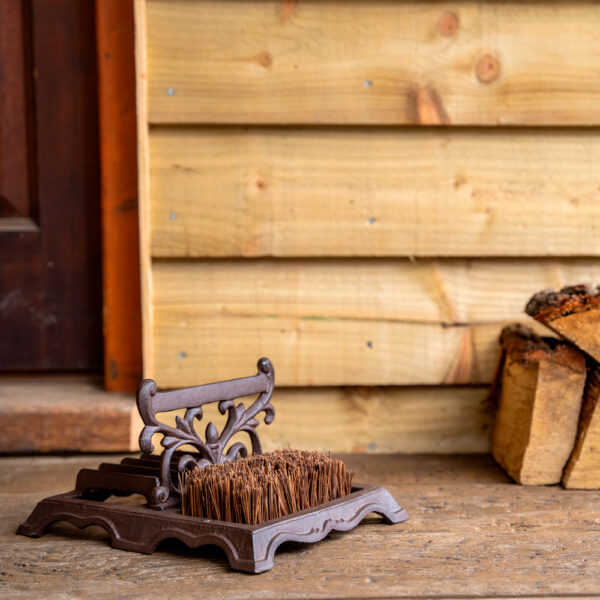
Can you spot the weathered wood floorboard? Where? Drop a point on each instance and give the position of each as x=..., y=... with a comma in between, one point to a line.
x=63, y=412
x=471, y=534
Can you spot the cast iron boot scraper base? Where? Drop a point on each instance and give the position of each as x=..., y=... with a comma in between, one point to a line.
x=140, y=528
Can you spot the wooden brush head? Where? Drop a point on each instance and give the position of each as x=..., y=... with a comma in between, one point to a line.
x=263, y=486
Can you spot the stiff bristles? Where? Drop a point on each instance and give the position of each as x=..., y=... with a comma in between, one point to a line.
x=263, y=486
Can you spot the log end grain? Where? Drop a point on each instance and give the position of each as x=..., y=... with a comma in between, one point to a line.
x=542, y=383
x=583, y=469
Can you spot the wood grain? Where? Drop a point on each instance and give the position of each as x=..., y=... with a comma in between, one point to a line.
x=536, y=423
x=381, y=420
x=373, y=420
x=65, y=413
x=373, y=192
x=73, y=414
x=471, y=533
x=120, y=229
x=424, y=291
x=50, y=282
x=485, y=63
x=141, y=78
x=343, y=322
x=17, y=199
x=583, y=469
x=581, y=329
x=192, y=347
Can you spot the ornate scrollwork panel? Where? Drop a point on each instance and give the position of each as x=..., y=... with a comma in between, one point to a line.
x=212, y=448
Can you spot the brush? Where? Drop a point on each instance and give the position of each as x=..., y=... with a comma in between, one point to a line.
x=262, y=487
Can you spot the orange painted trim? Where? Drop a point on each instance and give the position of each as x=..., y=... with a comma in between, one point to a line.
x=119, y=195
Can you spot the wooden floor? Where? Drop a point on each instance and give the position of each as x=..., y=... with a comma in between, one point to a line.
x=471, y=533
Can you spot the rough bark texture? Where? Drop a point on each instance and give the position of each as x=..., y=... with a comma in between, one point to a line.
x=573, y=313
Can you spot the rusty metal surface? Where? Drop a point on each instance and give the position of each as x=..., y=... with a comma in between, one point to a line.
x=211, y=450
x=249, y=548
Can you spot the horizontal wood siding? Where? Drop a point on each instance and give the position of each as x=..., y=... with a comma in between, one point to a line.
x=374, y=419
x=445, y=292
x=294, y=206
x=375, y=62
x=374, y=192
x=339, y=322
x=192, y=346
x=434, y=419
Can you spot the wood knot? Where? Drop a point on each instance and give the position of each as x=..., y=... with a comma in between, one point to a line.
x=448, y=24
x=260, y=184
x=425, y=107
x=265, y=59
x=487, y=68
x=459, y=181
x=287, y=9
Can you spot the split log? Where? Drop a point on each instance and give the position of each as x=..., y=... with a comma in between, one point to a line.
x=541, y=388
x=573, y=313
x=583, y=469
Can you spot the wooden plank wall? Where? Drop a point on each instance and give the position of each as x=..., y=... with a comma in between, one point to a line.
x=365, y=192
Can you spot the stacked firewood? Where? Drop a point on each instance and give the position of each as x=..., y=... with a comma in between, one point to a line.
x=547, y=427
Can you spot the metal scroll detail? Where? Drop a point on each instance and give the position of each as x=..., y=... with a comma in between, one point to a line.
x=213, y=448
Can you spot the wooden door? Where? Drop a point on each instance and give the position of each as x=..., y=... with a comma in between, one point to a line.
x=50, y=250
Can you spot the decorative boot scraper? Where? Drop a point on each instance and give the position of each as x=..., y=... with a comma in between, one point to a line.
x=140, y=528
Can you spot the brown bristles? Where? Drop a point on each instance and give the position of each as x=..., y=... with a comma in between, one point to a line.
x=263, y=486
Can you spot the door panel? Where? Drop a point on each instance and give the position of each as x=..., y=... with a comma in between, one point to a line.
x=50, y=254
x=16, y=198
